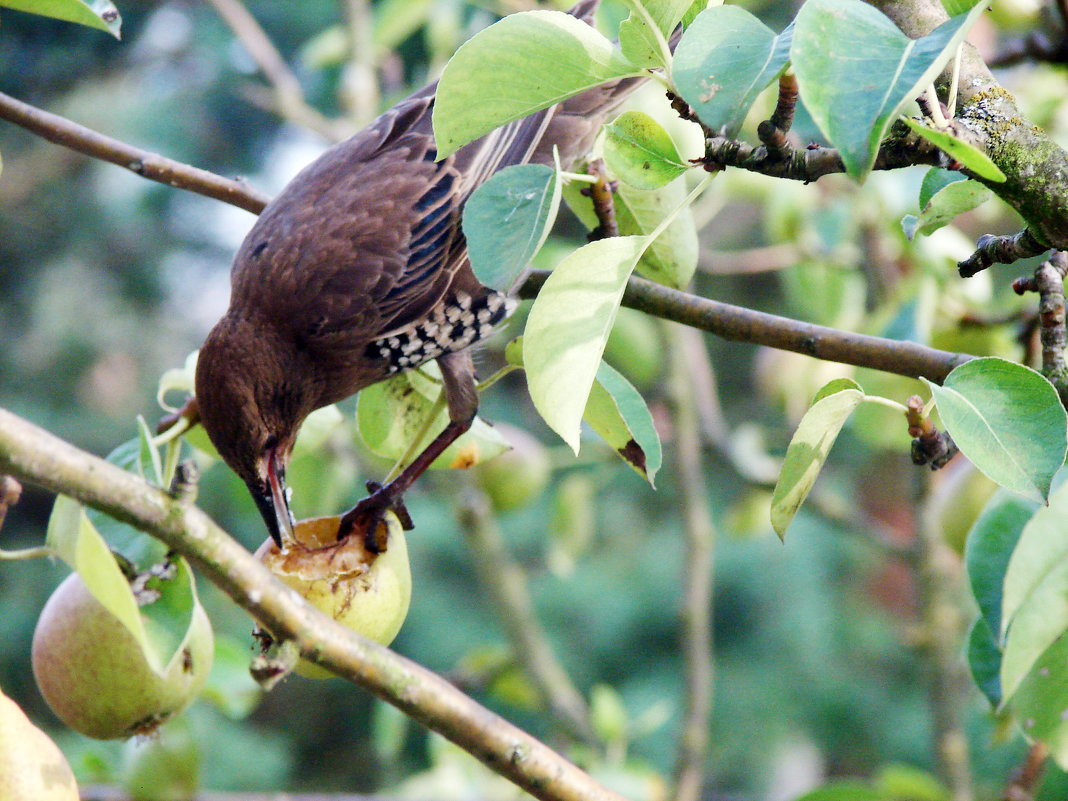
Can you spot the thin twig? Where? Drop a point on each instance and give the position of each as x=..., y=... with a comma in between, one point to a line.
x=699, y=534
x=506, y=583
x=149, y=165
x=360, y=86
x=10, y=492
x=746, y=325
x=938, y=571
x=288, y=96
x=33, y=455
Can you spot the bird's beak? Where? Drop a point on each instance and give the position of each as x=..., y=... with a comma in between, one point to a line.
x=272, y=501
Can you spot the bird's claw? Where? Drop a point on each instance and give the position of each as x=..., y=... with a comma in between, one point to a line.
x=366, y=516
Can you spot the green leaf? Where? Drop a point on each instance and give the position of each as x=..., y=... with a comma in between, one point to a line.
x=83, y=549
x=639, y=41
x=640, y=151
x=1033, y=612
x=672, y=258
x=935, y=180
x=1008, y=420
x=899, y=781
x=617, y=412
x=100, y=14
x=608, y=714
x=984, y=660
x=808, y=450
x=568, y=326
x=523, y=63
x=969, y=156
x=177, y=379
x=168, y=618
x=954, y=199
x=856, y=71
x=989, y=547
x=1041, y=702
x=844, y=790
x=391, y=414
x=149, y=455
x=507, y=219
x=724, y=60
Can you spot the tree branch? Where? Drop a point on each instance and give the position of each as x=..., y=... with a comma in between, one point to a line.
x=507, y=586
x=746, y=325
x=699, y=535
x=149, y=165
x=33, y=455
x=288, y=95
x=1036, y=181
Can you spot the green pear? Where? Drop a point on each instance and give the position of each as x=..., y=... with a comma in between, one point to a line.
x=367, y=592
x=32, y=768
x=94, y=675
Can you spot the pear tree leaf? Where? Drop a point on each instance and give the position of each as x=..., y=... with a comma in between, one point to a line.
x=83, y=549
x=856, y=71
x=568, y=326
x=99, y=14
x=641, y=152
x=521, y=64
x=971, y=157
x=899, y=781
x=843, y=790
x=642, y=43
x=1008, y=420
x=1033, y=612
x=391, y=414
x=149, y=455
x=617, y=412
x=945, y=205
x=1040, y=704
x=507, y=219
x=935, y=180
x=987, y=551
x=726, y=58
x=168, y=618
x=808, y=450
x=672, y=258
x=984, y=661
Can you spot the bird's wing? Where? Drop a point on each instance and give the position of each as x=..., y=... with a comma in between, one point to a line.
x=367, y=238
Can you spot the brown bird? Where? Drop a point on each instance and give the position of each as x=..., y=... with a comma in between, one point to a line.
x=358, y=270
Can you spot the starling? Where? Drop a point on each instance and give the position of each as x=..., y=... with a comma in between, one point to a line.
x=358, y=270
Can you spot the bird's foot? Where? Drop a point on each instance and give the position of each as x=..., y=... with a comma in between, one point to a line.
x=365, y=516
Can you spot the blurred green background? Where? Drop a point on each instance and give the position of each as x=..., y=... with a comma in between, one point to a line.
x=823, y=666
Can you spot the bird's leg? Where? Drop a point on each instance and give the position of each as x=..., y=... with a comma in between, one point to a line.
x=461, y=398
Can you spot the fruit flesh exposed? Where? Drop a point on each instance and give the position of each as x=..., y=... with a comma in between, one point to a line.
x=369, y=593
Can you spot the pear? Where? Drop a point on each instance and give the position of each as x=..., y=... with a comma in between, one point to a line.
x=367, y=592
x=94, y=675
x=32, y=768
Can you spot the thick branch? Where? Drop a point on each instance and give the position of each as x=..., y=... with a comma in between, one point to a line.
x=33, y=455
x=1034, y=164
x=149, y=165
x=745, y=325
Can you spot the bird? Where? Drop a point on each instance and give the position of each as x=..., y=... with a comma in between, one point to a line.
x=358, y=270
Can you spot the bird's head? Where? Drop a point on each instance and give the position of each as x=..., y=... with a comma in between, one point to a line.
x=250, y=403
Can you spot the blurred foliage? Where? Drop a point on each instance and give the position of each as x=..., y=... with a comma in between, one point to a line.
x=107, y=280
